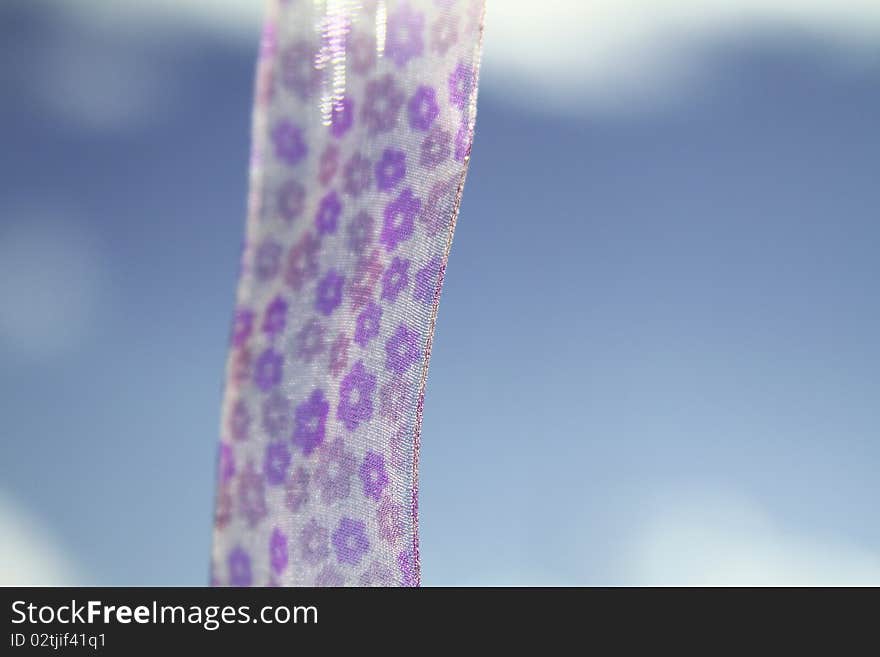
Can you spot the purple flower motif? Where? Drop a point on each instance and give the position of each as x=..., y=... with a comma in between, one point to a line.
x=444, y=33
x=402, y=349
x=309, y=419
x=310, y=340
x=252, y=495
x=334, y=471
x=314, y=543
x=389, y=518
x=435, y=212
x=239, y=567
x=239, y=420
x=339, y=355
x=393, y=399
x=267, y=370
x=278, y=551
x=329, y=577
x=391, y=169
x=367, y=271
x=328, y=214
x=362, y=51
x=226, y=462
x=291, y=200
x=367, y=326
x=328, y=164
x=223, y=508
x=298, y=73
x=436, y=147
x=329, y=294
x=359, y=233
x=296, y=492
x=342, y=117
x=302, y=261
x=426, y=281
x=356, y=397
x=382, y=102
x=422, y=108
x=357, y=175
x=242, y=324
x=404, y=37
x=276, y=415
x=377, y=575
x=240, y=368
x=373, y=475
x=407, y=564
x=350, y=541
x=395, y=279
x=399, y=219
x=275, y=317
x=276, y=463
x=289, y=144
x=461, y=82
x=267, y=260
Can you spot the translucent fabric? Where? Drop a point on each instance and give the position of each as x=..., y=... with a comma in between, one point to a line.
x=362, y=131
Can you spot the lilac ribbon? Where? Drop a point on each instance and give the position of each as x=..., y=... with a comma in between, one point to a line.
x=362, y=131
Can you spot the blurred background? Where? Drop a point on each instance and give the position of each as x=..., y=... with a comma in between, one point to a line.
x=656, y=359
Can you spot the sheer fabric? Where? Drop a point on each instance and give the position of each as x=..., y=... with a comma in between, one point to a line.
x=362, y=131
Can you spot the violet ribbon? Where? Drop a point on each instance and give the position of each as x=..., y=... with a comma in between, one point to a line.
x=362, y=131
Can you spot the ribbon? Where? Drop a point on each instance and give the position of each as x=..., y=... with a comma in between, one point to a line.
x=362, y=131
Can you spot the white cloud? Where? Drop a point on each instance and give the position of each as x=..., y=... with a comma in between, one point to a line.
x=30, y=555
x=600, y=51
x=604, y=47
x=706, y=537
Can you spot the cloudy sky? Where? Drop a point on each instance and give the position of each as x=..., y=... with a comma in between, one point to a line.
x=610, y=52
x=656, y=354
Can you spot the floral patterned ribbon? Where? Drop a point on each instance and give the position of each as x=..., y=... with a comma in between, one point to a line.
x=362, y=132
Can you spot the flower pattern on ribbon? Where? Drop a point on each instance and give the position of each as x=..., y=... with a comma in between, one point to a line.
x=363, y=126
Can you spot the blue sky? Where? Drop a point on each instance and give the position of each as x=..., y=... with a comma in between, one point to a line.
x=656, y=356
